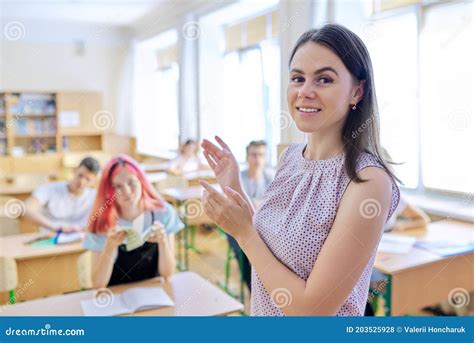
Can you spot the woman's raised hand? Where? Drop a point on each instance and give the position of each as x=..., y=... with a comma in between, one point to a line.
x=223, y=163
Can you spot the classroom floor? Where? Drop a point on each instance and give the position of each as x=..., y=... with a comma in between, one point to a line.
x=210, y=262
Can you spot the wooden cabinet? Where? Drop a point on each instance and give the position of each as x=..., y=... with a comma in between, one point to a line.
x=35, y=123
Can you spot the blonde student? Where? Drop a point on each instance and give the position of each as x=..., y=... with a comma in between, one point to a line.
x=313, y=239
x=187, y=160
x=125, y=199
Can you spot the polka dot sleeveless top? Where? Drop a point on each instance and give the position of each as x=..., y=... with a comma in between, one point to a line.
x=295, y=218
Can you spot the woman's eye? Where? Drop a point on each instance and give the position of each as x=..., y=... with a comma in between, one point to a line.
x=297, y=79
x=324, y=80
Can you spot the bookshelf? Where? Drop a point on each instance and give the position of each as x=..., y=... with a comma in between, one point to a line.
x=3, y=126
x=36, y=123
x=38, y=129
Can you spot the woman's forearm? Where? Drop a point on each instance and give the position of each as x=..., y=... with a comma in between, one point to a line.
x=279, y=281
x=166, y=260
x=102, y=267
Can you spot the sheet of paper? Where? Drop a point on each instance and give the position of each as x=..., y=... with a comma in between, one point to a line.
x=130, y=301
x=142, y=298
x=108, y=306
x=69, y=119
x=396, y=244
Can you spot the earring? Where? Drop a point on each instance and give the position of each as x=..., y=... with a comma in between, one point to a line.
x=354, y=107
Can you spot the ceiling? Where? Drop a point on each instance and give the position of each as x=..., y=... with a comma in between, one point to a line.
x=111, y=12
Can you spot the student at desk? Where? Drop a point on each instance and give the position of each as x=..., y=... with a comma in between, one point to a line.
x=125, y=199
x=188, y=159
x=64, y=206
x=255, y=180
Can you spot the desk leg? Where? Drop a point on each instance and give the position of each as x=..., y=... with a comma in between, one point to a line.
x=11, y=296
x=192, y=244
x=225, y=285
x=387, y=296
x=179, y=237
x=241, y=269
x=186, y=243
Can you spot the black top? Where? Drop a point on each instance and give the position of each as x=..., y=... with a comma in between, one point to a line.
x=135, y=265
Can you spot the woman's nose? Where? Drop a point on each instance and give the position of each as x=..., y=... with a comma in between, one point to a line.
x=307, y=90
x=126, y=190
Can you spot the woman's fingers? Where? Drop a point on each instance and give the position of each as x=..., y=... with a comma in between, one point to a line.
x=214, y=151
x=209, y=160
x=221, y=199
x=213, y=202
x=222, y=143
x=235, y=196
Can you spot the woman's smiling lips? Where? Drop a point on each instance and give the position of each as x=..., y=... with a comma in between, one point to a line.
x=306, y=111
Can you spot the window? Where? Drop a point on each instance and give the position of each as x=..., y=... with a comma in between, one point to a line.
x=156, y=95
x=248, y=87
x=424, y=88
x=446, y=96
x=239, y=80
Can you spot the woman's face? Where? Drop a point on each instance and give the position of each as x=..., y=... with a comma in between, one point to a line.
x=127, y=187
x=321, y=90
x=190, y=149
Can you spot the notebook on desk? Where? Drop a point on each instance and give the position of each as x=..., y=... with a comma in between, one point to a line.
x=395, y=244
x=130, y=301
x=447, y=248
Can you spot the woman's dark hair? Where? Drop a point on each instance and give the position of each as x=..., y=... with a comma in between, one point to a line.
x=361, y=129
x=255, y=144
x=186, y=143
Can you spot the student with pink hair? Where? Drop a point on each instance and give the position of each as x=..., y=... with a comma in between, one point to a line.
x=125, y=199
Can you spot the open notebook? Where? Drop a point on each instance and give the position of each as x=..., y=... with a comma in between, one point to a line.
x=136, y=239
x=447, y=248
x=130, y=301
x=395, y=244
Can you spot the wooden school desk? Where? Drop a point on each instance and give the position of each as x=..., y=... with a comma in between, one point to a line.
x=20, y=192
x=194, y=177
x=156, y=177
x=42, y=271
x=421, y=278
x=192, y=295
x=155, y=167
x=21, y=185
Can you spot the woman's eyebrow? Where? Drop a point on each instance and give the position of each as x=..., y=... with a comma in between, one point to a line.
x=319, y=71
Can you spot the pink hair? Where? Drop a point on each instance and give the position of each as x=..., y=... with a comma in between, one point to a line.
x=105, y=212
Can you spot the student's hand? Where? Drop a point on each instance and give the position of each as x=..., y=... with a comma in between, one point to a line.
x=115, y=238
x=230, y=211
x=223, y=163
x=69, y=228
x=158, y=235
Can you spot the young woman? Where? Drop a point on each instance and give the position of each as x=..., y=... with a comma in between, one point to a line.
x=312, y=241
x=188, y=159
x=126, y=199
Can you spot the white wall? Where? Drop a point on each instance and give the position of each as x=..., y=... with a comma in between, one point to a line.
x=61, y=56
x=46, y=57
